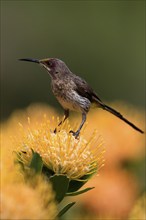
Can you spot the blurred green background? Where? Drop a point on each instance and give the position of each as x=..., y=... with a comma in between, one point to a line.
x=102, y=41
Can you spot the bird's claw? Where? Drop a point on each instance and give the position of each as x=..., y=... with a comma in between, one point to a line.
x=75, y=133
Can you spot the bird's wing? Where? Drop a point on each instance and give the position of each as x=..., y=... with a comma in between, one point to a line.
x=83, y=89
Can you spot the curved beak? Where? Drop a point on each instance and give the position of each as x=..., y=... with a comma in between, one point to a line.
x=41, y=62
x=30, y=60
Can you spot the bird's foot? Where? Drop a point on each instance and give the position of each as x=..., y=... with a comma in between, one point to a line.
x=75, y=133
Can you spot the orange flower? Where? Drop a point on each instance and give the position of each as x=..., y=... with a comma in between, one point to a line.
x=114, y=195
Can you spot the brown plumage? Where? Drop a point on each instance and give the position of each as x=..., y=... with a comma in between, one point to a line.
x=74, y=93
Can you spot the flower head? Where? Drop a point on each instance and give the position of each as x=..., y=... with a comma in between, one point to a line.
x=61, y=152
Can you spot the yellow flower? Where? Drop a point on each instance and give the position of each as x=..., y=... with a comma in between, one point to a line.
x=61, y=152
x=70, y=161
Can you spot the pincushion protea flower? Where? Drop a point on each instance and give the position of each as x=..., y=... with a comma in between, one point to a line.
x=61, y=152
x=64, y=160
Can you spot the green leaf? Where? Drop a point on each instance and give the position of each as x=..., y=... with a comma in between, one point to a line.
x=60, y=185
x=47, y=172
x=79, y=192
x=65, y=209
x=75, y=185
x=21, y=165
x=88, y=176
x=36, y=163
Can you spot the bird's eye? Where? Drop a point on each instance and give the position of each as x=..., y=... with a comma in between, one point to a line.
x=56, y=72
x=49, y=63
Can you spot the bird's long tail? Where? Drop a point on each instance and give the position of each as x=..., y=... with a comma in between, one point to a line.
x=114, y=112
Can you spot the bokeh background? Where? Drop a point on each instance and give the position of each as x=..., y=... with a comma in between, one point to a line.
x=103, y=42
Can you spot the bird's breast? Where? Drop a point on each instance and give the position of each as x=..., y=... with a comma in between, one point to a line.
x=69, y=98
x=59, y=88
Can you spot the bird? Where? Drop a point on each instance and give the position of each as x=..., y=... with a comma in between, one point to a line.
x=73, y=92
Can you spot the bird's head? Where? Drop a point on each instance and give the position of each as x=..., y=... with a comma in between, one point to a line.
x=55, y=67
